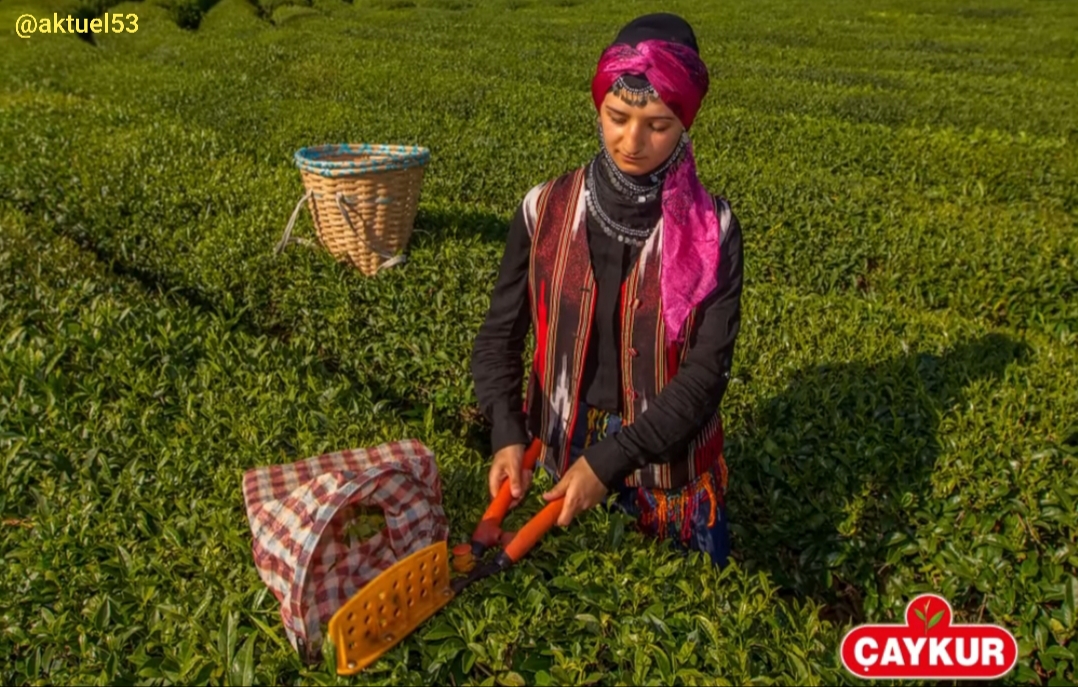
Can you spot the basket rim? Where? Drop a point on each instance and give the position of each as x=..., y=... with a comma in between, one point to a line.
x=399, y=156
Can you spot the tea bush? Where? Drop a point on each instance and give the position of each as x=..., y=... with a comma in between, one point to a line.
x=902, y=417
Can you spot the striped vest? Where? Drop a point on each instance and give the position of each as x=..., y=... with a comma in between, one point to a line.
x=562, y=294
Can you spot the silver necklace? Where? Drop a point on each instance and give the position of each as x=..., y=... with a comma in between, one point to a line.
x=615, y=230
x=627, y=186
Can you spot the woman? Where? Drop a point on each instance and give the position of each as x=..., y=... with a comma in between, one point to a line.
x=630, y=273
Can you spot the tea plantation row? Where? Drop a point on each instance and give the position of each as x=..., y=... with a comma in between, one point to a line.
x=903, y=413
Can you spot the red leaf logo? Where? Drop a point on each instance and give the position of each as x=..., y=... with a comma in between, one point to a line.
x=929, y=646
x=923, y=612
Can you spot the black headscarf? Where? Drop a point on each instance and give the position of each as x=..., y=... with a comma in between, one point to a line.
x=659, y=26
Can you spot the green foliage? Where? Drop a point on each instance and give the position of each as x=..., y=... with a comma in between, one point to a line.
x=902, y=413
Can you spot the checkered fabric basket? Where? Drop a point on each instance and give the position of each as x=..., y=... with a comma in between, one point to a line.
x=298, y=513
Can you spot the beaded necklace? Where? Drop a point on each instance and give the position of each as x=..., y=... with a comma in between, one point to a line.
x=627, y=188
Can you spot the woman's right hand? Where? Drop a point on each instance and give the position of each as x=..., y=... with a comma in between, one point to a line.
x=508, y=464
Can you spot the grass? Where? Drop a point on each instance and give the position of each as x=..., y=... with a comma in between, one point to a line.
x=902, y=416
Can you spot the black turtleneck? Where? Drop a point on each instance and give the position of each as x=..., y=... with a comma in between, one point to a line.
x=497, y=358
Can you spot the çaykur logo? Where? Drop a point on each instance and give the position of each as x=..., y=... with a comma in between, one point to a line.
x=929, y=647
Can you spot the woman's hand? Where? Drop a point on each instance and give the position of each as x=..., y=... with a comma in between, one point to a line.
x=581, y=489
x=508, y=464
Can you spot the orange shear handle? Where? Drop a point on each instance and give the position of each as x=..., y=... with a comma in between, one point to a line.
x=531, y=533
x=489, y=530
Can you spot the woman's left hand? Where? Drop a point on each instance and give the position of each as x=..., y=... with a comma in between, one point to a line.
x=581, y=489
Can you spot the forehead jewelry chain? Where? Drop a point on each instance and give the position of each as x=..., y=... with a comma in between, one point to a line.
x=634, y=96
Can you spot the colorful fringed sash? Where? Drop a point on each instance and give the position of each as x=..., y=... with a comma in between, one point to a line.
x=666, y=513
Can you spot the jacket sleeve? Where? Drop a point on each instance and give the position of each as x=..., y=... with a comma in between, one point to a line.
x=497, y=363
x=664, y=430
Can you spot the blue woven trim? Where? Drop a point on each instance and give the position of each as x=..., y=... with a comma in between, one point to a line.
x=312, y=159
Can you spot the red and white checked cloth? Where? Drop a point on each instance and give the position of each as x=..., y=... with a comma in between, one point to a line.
x=297, y=513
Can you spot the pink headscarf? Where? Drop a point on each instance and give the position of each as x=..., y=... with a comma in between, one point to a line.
x=690, y=237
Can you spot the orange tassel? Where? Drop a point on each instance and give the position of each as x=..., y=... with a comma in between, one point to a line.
x=709, y=487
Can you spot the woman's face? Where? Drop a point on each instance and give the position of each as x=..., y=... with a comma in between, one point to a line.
x=638, y=138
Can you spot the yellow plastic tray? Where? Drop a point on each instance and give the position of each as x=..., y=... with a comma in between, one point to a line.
x=390, y=607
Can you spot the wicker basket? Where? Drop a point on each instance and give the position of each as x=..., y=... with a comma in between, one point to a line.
x=363, y=200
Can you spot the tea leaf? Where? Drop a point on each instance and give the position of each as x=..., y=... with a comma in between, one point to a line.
x=935, y=619
x=511, y=679
x=1070, y=592
x=242, y=668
